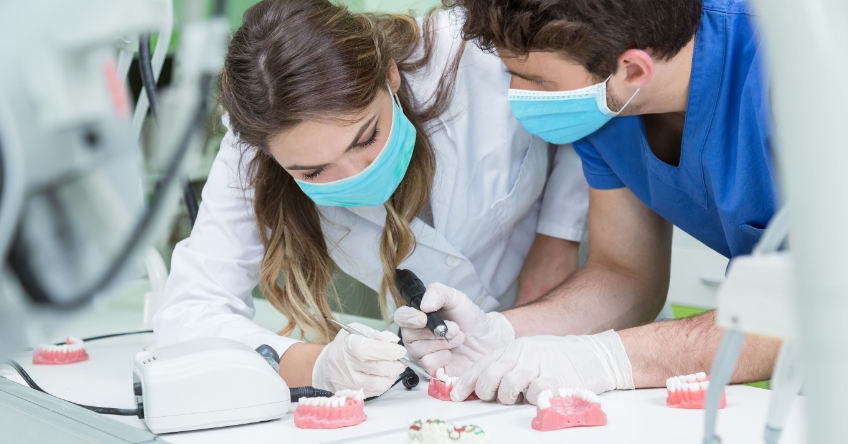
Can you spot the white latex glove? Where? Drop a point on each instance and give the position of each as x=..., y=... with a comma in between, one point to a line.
x=352, y=362
x=471, y=332
x=532, y=364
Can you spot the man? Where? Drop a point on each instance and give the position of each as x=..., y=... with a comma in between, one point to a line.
x=689, y=146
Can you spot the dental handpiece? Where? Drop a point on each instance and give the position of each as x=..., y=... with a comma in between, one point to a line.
x=412, y=290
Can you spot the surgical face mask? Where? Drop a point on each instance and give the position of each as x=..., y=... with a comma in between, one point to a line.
x=563, y=116
x=375, y=184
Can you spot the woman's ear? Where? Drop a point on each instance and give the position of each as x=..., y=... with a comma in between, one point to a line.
x=393, y=76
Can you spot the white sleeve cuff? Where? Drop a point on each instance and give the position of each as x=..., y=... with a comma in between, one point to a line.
x=560, y=231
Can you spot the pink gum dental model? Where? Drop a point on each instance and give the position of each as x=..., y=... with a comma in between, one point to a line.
x=689, y=391
x=73, y=350
x=441, y=385
x=574, y=407
x=344, y=409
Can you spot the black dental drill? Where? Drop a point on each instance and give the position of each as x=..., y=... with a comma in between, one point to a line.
x=412, y=290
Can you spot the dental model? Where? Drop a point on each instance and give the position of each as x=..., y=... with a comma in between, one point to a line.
x=344, y=409
x=574, y=407
x=441, y=385
x=689, y=392
x=434, y=431
x=73, y=350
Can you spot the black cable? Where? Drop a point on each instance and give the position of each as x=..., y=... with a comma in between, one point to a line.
x=22, y=268
x=102, y=410
x=112, y=335
x=190, y=199
x=295, y=393
x=145, y=66
x=409, y=378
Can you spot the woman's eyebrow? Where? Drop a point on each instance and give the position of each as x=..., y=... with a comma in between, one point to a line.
x=350, y=147
x=361, y=132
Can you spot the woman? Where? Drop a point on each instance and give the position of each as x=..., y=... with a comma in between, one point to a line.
x=357, y=140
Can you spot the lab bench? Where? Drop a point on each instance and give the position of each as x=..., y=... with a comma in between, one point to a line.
x=635, y=416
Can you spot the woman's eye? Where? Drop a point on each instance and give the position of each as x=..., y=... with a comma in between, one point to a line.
x=313, y=174
x=370, y=140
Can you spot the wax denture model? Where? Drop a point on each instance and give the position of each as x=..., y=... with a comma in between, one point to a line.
x=434, y=431
x=344, y=409
x=73, y=350
x=573, y=407
x=441, y=385
x=689, y=392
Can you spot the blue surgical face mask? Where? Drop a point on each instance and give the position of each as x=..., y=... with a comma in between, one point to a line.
x=563, y=116
x=375, y=184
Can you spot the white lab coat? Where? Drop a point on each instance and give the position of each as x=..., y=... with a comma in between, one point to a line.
x=487, y=203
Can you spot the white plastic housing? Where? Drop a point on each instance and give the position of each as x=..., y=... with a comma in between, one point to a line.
x=207, y=383
x=758, y=296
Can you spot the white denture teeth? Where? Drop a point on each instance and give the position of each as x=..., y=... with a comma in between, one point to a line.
x=71, y=345
x=688, y=383
x=342, y=401
x=581, y=393
x=443, y=377
x=356, y=395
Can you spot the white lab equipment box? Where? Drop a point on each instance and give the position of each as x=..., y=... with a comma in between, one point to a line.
x=206, y=383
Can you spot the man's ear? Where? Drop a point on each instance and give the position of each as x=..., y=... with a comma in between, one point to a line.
x=393, y=76
x=637, y=67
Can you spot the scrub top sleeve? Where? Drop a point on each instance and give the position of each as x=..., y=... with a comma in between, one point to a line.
x=598, y=173
x=208, y=293
x=565, y=203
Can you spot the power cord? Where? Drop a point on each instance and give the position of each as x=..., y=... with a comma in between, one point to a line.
x=102, y=410
x=145, y=65
x=112, y=335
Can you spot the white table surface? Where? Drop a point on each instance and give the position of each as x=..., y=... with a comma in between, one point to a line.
x=636, y=416
x=633, y=416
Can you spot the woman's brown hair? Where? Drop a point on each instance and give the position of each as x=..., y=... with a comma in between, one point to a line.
x=297, y=60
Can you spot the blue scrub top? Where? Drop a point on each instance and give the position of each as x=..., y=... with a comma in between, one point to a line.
x=722, y=193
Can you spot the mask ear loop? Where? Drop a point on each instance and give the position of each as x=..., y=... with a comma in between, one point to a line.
x=616, y=113
x=394, y=96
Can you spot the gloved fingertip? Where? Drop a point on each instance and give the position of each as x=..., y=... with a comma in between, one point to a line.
x=459, y=393
x=435, y=296
x=408, y=317
x=435, y=360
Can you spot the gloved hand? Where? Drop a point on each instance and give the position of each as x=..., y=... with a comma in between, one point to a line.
x=352, y=362
x=532, y=364
x=471, y=332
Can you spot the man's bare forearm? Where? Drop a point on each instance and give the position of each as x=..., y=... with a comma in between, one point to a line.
x=664, y=349
x=548, y=263
x=596, y=298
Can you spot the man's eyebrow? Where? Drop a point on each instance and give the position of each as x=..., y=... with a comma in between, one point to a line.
x=526, y=77
x=350, y=147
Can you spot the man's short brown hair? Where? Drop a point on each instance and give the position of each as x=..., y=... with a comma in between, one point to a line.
x=593, y=33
